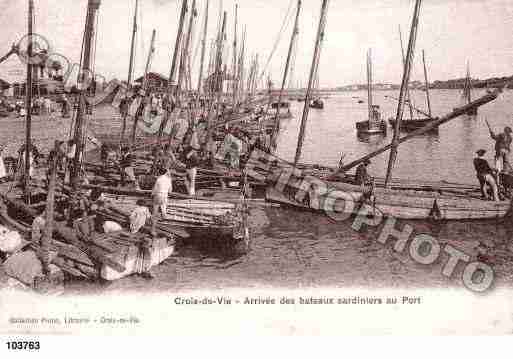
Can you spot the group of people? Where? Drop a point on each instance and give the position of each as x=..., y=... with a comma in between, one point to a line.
x=490, y=179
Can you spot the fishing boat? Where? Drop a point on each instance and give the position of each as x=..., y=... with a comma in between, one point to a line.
x=374, y=124
x=283, y=109
x=415, y=123
x=466, y=93
x=400, y=203
x=412, y=201
x=317, y=104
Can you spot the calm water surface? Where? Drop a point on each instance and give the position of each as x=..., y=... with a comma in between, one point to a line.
x=294, y=249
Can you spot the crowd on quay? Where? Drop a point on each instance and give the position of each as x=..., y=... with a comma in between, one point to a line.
x=50, y=106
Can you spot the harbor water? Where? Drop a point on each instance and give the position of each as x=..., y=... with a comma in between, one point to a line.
x=292, y=249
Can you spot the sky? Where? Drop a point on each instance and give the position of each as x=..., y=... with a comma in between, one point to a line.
x=451, y=32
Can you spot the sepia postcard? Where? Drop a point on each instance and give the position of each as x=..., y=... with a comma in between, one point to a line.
x=237, y=167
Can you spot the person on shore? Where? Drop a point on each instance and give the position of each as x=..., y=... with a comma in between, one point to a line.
x=138, y=218
x=362, y=175
x=502, y=149
x=161, y=190
x=485, y=176
x=126, y=164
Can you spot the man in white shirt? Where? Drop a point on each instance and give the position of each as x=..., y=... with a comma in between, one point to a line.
x=163, y=186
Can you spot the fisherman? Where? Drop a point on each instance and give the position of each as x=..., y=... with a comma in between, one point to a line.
x=191, y=160
x=362, y=176
x=485, y=176
x=138, y=218
x=65, y=106
x=502, y=149
x=126, y=165
x=163, y=186
x=124, y=105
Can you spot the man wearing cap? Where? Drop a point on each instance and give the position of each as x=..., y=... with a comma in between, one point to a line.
x=502, y=149
x=485, y=175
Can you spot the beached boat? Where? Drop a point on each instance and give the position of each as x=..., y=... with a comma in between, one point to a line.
x=401, y=204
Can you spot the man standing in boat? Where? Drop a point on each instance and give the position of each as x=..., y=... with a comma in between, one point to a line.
x=485, y=176
x=502, y=148
x=362, y=176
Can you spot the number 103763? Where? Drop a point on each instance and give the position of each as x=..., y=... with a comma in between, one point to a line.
x=22, y=345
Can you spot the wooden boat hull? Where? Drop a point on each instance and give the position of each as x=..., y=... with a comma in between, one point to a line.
x=401, y=204
x=134, y=261
x=362, y=128
x=414, y=124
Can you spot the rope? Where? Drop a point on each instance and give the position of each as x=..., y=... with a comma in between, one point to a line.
x=286, y=20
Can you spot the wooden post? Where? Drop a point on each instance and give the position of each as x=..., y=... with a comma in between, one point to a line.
x=313, y=72
x=176, y=54
x=427, y=84
x=203, y=46
x=145, y=81
x=131, y=64
x=92, y=8
x=295, y=31
x=404, y=89
x=28, y=106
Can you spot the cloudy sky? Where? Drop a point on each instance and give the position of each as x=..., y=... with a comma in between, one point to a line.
x=451, y=32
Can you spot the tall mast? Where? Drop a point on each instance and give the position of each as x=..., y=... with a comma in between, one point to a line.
x=369, y=84
x=408, y=98
x=427, y=84
x=28, y=105
x=234, y=70
x=186, y=46
x=313, y=71
x=145, y=80
x=404, y=87
x=172, y=73
x=132, y=47
x=468, y=88
x=92, y=8
x=203, y=46
x=295, y=31
x=131, y=63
